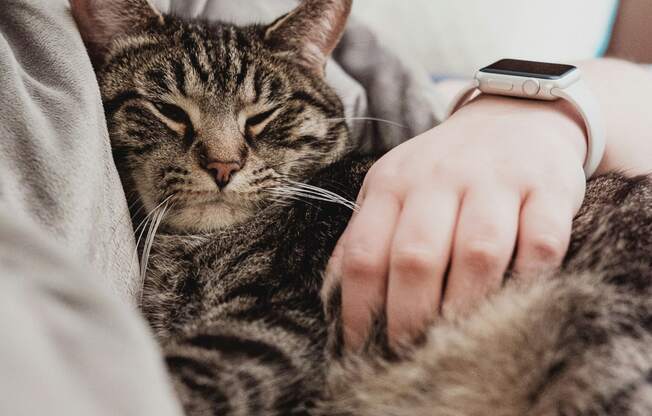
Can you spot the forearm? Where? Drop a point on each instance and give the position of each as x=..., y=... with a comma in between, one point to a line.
x=624, y=91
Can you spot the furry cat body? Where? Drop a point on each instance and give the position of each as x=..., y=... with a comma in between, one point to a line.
x=257, y=298
x=233, y=281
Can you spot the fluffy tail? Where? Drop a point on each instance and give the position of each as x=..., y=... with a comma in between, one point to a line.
x=554, y=348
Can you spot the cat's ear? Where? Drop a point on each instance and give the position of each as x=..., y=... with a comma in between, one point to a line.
x=101, y=21
x=310, y=32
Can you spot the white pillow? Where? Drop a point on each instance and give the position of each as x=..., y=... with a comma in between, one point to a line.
x=457, y=37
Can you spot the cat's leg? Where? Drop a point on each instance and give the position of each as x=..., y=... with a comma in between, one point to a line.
x=246, y=367
x=578, y=344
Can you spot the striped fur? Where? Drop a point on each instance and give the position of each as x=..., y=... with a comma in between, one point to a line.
x=237, y=97
x=233, y=277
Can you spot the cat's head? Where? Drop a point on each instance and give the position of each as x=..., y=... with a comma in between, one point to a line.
x=209, y=119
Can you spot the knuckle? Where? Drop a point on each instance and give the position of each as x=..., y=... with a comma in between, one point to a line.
x=548, y=249
x=358, y=263
x=413, y=262
x=452, y=171
x=483, y=257
x=384, y=179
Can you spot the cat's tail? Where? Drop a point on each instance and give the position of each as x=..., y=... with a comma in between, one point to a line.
x=563, y=346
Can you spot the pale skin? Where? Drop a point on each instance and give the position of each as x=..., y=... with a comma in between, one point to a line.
x=443, y=215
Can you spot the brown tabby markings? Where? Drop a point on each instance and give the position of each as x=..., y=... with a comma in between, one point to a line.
x=207, y=120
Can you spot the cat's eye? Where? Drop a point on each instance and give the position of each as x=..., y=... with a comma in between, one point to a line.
x=260, y=118
x=173, y=112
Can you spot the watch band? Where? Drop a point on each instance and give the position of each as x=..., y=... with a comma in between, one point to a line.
x=586, y=105
x=579, y=95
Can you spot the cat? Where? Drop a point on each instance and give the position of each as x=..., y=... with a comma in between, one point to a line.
x=222, y=132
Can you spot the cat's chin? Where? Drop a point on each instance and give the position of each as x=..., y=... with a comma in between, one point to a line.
x=206, y=218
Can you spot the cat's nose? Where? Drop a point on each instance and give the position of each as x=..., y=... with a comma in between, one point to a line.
x=223, y=171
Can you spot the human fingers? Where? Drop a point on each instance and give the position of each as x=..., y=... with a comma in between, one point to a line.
x=364, y=265
x=418, y=260
x=483, y=245
x=544, y=233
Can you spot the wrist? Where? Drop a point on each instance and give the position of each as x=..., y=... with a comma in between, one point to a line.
x=557, y=119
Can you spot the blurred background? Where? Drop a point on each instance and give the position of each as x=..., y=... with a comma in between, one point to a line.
x=446, y=41
x=455, y=38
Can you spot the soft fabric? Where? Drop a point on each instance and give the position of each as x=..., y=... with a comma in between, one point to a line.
x=70, y=343
x=455, y=38
x=70, y=347
x=56, y=168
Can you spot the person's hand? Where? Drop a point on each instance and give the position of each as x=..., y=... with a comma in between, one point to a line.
x=442, y=214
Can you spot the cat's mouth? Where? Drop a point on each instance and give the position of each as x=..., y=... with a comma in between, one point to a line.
x=213, y=200
x=196, y=198
x=194, y=210
x=193, y=194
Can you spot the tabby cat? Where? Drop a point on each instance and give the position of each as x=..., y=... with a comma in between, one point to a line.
x=221, y=132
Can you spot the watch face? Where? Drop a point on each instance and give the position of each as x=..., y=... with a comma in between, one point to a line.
x=529, y=69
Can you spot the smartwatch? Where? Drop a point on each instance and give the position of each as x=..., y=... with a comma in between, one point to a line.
x=547, y=82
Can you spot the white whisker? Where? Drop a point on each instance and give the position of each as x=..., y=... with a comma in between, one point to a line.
x=285, y=199
x=144, y=225
x=300, y=191
x=380, y=120
x=149, y=241
x=322, y=192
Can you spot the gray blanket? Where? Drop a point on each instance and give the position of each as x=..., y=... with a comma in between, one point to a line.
x=72, y=340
